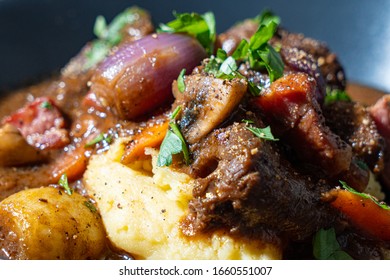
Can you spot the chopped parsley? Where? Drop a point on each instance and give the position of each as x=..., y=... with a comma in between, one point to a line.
x=109, y=35
x=225, y=67
x=326, y=246
x=180, y=81
x=222, y=66
x=333, y=95
x=90, y=206
x=266, y=16
x=63, y=182
x=46, y=105
x=202, y=27
x=259, y=53
x=100, y=138
x=173, y=143
x=262, y=133
x=365, y=195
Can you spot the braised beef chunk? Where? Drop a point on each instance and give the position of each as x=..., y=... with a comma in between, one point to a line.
x=328, y=62
x=299, y=61
x=380, y=112
x=206, y=102
x=291, y=108
x=353, y=123
x=289, y=105
x=244, y=184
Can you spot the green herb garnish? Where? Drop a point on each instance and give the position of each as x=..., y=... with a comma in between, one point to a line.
x=365, y=195
x=266, y=17
x=173, y=143
x=90, y=206
x=263, y=133
x=260, y=53
x=109, y=35
x=63, y=182
x=46, y=105
x=180, y=81
x=333, y=95
x=100, y=138
x=202, y=27
x=326, y=246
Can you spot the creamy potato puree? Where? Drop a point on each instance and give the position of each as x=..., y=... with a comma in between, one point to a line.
x=142, y=205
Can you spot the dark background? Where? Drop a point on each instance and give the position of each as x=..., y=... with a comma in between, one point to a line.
x=39, y=36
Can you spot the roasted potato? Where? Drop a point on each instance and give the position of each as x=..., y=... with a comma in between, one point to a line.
x=47, y=223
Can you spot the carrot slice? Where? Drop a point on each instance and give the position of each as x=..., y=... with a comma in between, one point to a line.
x=151, y=136
x=73, y=164
x=363, y=213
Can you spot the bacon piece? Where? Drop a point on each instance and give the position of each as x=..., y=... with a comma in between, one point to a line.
x=41, y=124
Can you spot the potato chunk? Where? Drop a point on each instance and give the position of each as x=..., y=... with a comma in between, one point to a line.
x=47, y=223
x=142, y=206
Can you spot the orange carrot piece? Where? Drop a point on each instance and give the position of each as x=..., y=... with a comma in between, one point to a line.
x=149, y=137
x=363, y=213
x=73, y=164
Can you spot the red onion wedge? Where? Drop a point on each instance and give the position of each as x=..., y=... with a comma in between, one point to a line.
x=138, y=77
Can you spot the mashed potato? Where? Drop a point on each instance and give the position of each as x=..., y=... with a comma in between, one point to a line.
x=142, y=206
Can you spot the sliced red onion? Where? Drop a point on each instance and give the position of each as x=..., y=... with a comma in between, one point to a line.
x=138, y=77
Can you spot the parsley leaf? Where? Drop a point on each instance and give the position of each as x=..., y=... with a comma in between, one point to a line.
x=326, y=246
x=202, y=27
x=173, y=143
x=63, y=182
x=262, y=35
x=46, y=105
x=263, y=133
x=364, y=195
x=90, y=206
x=222, y=66
x=180, y=81
x=333, y=95
x=99, y=138
x=228, y=66
x=272, y=62
x=109, y=35
x=259, y=52
x=266, y=17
